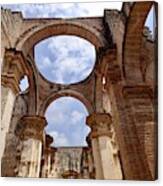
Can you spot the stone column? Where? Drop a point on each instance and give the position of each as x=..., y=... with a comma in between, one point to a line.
x=30, y=130
x=14, y=69
x=105, y=150
x=47, y=152
x=90, y=157
x=53, y=171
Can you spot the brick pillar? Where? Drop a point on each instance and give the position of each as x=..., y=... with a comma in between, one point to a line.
x=105, y=150
x=130, y=116
x=11, y=74
x=30, y=130
x=141, y=111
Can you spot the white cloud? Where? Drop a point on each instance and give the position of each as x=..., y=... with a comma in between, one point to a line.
x=68, y=59
x=66, y=119
x=77, y=117
x=55, y=114
x=55, y=117
x=59, y=139
x=45, y=63
x=98, y=8
x=65, y=10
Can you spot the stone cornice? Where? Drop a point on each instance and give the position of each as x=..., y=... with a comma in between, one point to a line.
x=69, y=173
x=14, y=61
x=96, y=118
x=31, y=127
x=137, y=91
x=13, y=70
x=10, y=81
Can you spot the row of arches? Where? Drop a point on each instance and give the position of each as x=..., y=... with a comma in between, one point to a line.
x=24, y=82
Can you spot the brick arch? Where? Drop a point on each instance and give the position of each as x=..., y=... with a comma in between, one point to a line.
x=33, y=88
x=65, y=93
x=30, y=38
x=133, y=39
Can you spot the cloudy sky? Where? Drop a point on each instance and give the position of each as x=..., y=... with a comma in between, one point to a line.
x=66, y=59
x=70, y=58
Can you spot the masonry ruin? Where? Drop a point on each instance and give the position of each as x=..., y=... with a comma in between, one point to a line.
x=120, y=96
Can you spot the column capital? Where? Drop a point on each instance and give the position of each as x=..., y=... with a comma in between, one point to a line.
x=100, y=123
x=13, y=70
x=31, y=127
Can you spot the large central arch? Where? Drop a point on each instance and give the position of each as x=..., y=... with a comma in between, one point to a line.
x=40, y=30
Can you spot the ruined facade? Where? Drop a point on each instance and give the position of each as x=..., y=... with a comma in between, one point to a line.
x=120, y=95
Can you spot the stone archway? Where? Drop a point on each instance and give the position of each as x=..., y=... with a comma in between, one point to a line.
x=41, y=30
x=133, y=40
x=71, y=93
x=68, y=155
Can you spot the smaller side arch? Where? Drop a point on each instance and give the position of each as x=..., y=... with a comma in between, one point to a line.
x=69, y=93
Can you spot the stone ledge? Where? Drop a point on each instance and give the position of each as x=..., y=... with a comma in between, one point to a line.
x=138, y=91
x=10, y=81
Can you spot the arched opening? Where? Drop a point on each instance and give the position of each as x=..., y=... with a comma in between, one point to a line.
x=24, y=84
x=150, y=24
x=65, y=59
x=66, y=118
x=132, y=70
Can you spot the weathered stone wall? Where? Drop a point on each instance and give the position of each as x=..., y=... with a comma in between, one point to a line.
x=10, y=28
x=68, y=162
x=11, y=157
x=148, y=61
x=115, y=21
x=148, y=129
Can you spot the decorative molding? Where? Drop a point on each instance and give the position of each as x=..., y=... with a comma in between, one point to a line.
x=138, y=91
x=10, y=81
x=14, y=61
x=31, y=127
x=100, y=124
x=13, y=70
